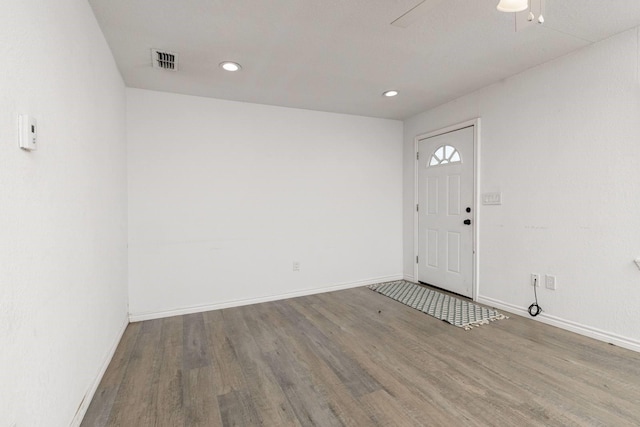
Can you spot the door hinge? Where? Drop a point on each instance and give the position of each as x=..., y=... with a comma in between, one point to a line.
x=417, y=208
x=416, y=259
x=417, y=156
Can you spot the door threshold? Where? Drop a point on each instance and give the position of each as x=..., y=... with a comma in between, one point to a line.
x=446, y=291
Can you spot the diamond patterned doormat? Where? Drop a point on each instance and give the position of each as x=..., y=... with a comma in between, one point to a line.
x=455, y=311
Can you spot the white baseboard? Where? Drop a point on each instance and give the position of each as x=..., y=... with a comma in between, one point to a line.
x=88, y=396
x=568, y=325
x=409, y=278
x=138, y=317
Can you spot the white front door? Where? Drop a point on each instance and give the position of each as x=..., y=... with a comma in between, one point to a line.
x=445, y=211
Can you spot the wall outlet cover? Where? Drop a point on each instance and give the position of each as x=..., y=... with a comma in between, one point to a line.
x=535, y=279
x=550, y=282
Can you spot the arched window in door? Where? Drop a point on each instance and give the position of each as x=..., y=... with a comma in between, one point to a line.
x=443, y=155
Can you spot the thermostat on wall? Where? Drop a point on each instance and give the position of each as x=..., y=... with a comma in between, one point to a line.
x=27, y=131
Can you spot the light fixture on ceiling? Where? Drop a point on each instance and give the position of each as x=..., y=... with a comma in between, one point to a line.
x=513, y=5
x=390, y=93
x=230, y=66
x=540, y=18
x=521, y=6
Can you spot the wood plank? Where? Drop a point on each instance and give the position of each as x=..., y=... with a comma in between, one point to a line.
x=132, y=403
x=343, y=404
x=200, y=400
x=271, y=404
x=346, y=368
x=357, y=358
x=166, y=394
x=226, y=367
x=196, y=346
x=307, y=400
x=100, y=408
x=374, y=357
x=388, y=411
x=237, y=409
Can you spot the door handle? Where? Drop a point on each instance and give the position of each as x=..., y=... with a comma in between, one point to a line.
x=467, y=222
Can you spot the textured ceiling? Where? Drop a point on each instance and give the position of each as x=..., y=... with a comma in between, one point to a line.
x=340, y=55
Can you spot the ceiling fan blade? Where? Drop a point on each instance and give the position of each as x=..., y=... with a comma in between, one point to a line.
x=416, y=13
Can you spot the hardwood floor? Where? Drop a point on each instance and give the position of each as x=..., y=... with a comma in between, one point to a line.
x=357, y=358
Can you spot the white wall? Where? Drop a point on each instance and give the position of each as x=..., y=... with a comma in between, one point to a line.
x=224, y=196
x=63, y=299
x=561, y=142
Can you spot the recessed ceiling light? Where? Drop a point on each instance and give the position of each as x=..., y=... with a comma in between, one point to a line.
x=390, y=93
x=230, y=66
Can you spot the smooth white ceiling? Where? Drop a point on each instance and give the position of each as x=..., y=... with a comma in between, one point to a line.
x=340, y=55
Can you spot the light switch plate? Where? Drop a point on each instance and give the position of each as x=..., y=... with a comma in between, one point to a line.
x=550, y=282
x=27, y=132
x=491, y=198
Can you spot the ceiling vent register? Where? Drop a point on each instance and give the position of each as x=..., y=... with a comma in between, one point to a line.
x=164, y=60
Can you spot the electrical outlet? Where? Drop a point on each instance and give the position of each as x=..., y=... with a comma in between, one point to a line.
x=535, y=279
x=296, y=265
x=550, y=282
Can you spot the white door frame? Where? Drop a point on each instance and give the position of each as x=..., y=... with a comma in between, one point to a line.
x=476, y=196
